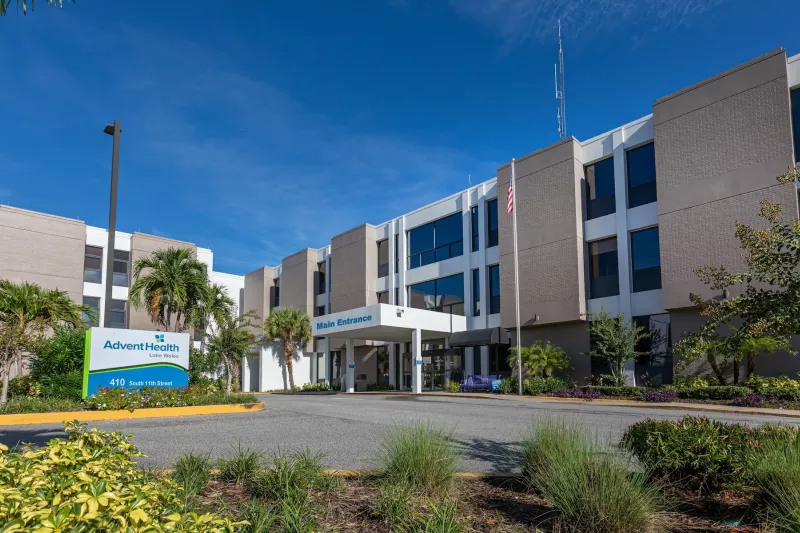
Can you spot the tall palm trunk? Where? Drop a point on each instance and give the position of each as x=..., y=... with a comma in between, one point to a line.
x=6, y=372
x=751, y=364
x=228, y=373
x=287, y=350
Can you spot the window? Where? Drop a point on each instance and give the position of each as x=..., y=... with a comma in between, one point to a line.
x=654, y=366
x=276, y=293
x=445, y=295
x=383, y=258
x=435, y=241
x=396, y=254
x=494, y=289
x=119, y=314
x=498, y=360
x=383, y=297
x=475, y=228
x=796, y=122
x=93, y=264
x=121, y=266
x=600, y=198
x=397, y=296
x=321, y=289
x=603, y=268
x=319, y=310
x=493, y=224
x=641, y=164
x=94, y=303
x=645, y=260
x=476, y=292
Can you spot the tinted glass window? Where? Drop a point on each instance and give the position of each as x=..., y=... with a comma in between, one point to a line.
x=320, y=289
x=383, y=297
x=121, y=265
x=382, y=360
x=383, y=258
x=443, y=294
x=435, y=241
x=476, y=292
x=600, y=197
x=796, y=122
x=475, y=229
x=494, y=289
x=119, y=314
x=641, y=164
x=94, y=303
x=493, y=225
x=93, y=264
x=603, y=268
x=645, y=260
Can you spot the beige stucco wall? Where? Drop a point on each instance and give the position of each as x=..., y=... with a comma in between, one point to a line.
x=297, y=280
x=572, y=337
x=719, y=146
x=42, y=249
x=142, y=245
x=354, y=269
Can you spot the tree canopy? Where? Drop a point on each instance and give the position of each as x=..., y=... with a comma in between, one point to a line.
x=23, y=4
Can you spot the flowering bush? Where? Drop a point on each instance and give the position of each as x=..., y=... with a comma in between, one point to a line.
x=90, y=483
x=107, y=399
x=583, y=394
x=782, y=387
x=755, y=400
x=660, y=396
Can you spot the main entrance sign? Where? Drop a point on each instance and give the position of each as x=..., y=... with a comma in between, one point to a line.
x=131, y=359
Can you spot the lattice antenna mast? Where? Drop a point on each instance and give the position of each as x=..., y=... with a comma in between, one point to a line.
x=558, y=78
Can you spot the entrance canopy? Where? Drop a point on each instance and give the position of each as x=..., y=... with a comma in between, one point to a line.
x=480, y=337
x=388, y=323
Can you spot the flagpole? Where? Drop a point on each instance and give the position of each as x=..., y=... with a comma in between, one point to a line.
x=516, y=273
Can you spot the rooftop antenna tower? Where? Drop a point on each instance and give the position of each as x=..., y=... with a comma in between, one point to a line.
x=558, y=75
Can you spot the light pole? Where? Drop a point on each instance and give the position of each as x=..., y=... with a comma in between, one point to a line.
x=114, y=130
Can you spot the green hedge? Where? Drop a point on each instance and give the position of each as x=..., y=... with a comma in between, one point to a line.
x=617, y=392
x=701, y=453
x=24, y=404
x=720, y=392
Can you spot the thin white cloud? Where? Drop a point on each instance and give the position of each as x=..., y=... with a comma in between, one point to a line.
x=518, y=21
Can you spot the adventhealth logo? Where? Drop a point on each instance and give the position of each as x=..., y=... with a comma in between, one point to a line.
x=343, y=322
x=157, y=346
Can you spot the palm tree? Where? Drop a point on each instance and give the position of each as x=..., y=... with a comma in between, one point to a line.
x=232, y=340
x=49, y=3
x=168, y=284
x=750, y=347
x=212, y=308
x=28, y=311
x=541, y=359
x=293, y=328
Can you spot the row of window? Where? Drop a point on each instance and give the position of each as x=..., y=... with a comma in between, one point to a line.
x=93, y=266
x=645, y=264
x=446, y=295
x=441, y=239
x=641, y=169
x=119, y=312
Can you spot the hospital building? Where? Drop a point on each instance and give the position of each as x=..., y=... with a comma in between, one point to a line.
x=616, y=222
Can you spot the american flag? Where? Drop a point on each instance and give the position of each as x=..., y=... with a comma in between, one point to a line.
x=511, y=191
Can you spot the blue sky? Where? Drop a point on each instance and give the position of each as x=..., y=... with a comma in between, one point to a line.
x=266, y=127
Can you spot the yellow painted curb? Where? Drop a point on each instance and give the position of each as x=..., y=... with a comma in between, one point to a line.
x=160, y=412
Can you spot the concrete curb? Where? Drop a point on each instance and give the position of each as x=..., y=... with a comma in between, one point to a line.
x=677, y=406
x=161, y=412
x=339, y=472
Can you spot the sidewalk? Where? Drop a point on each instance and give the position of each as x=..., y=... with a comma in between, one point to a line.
x=677, y=406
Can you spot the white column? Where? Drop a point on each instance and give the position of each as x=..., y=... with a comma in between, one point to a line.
x=623, y=248
x=469, y=361
x=246, y=374
x=482, y=241
x=484, y=360
x=351, y=364
x=401, y=275
x=393, y=367
x=466, y=240
x=392, y=256
x=416, y=361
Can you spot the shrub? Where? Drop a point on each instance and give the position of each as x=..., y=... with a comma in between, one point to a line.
x=784, y=387
x=240, y=467
x=193, y=473
x=106, y=399
x=315, y=387
x=23, y=387
x=374, y=387
x=453, y=386
x=260, y=517
x=64, y=386
x=442, y=517
x=57, y=354
x=89, y=483
x=718, y=392
x=691, y=382
x=542, y=386
x=751, y=400
x=591, y=491
x=777, y=476
x=660, y=396
x=700, y=453
x=507, y=386
x=583, y=393
x=393, y=503
x=39, y=405
x=292, y=472
x=618, y=392
x=420, y=455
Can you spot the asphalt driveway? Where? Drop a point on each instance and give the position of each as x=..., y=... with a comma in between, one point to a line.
x=349, y=429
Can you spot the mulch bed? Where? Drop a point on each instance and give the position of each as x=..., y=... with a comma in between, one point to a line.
x=485, y=505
